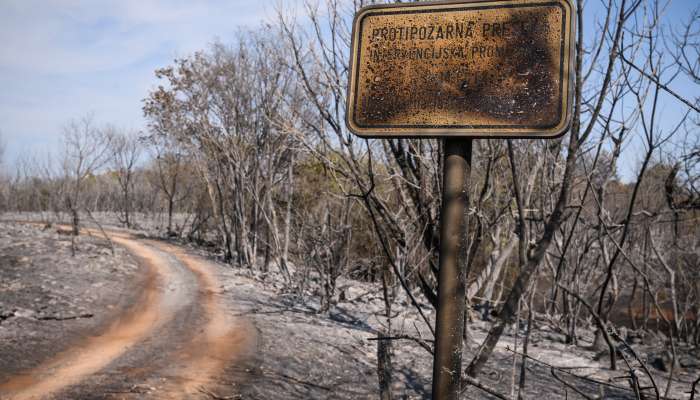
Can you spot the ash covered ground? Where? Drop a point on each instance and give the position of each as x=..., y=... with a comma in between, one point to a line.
x=50, y=299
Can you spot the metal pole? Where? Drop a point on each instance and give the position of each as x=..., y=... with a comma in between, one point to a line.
x=447, y=365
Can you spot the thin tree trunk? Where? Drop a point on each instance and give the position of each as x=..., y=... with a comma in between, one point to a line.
x=126, y=208
x=288, y=217
x=384, y=366
x=515, y=352
x=171, y=205
x=526, y=342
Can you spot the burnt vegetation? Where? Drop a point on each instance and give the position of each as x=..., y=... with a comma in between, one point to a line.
x=246, y=153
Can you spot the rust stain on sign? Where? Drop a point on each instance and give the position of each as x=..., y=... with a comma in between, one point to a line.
x=481, y=69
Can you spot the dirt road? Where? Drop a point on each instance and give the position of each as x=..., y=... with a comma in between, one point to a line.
x=175, y=341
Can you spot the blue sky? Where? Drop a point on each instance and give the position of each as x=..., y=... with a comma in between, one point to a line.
x=64, y=59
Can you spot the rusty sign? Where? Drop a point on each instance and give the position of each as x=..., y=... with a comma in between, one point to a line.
x=473, y=69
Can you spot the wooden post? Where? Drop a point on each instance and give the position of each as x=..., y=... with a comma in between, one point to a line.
x=447, y=366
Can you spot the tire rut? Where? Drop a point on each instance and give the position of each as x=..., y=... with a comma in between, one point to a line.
x=205, y=341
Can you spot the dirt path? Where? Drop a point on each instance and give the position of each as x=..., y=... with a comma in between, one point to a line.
x=178, y=321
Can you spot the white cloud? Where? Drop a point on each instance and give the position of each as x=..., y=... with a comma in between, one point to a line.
x=89, y=36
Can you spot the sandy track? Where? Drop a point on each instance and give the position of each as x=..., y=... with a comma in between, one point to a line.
x=195, y=358
x=222, y=340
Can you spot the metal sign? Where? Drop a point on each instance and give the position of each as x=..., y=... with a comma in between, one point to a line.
x=472, y=69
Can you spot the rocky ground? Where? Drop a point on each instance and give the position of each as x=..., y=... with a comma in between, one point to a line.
x=304, y=355
x=297, y=352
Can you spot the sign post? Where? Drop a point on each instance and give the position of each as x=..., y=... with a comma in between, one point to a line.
x=460, y=70
x=447, y=364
